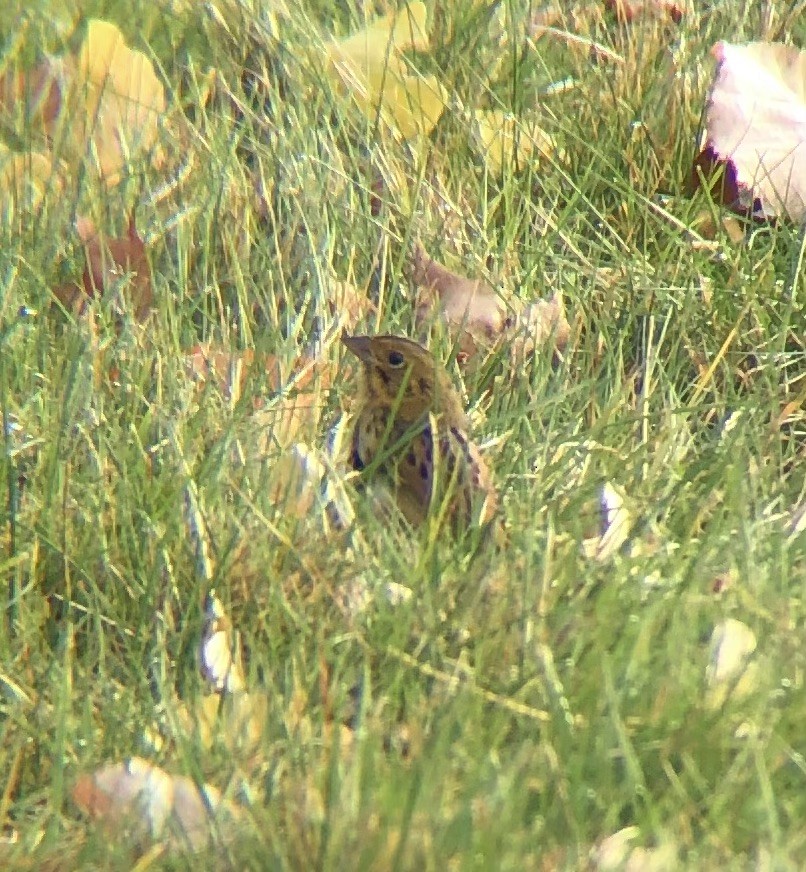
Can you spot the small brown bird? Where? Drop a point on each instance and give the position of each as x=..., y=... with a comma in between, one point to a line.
x=411, y=429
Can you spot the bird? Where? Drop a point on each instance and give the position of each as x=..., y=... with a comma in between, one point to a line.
x=411, y=429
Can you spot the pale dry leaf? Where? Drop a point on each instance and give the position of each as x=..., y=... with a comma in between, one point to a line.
x=347, y=304
x=756, y=122
x=236, y=721
x=618, y=852
x=731, y=672
x=616, y=525
x=122, y=100
x=304, y=480
x=539, y=324
x=220, y=654
x=225, y=368
x=138, y=799
x=474, y=313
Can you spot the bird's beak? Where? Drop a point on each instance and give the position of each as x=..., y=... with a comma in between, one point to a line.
x=359, y=345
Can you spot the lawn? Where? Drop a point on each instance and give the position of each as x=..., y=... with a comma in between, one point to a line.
x=410, y=700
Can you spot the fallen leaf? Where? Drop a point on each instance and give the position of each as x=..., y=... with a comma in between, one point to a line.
x=285, y=419
x=616, y=526
x=755, y=126
x=26, y=178
x=730, y=672
x=369, y=67
x=303, y=480
x=110, y=262
x=473, y=311
x=539, y=323
x=628, y=11
x=226, y=368
x=348, y=304
x=707, y=229
x=122, y=101
x=507, y=141
x=105, y=103
x=618, y=852
x=149, y=803
x=37, y=91
x=220, y=654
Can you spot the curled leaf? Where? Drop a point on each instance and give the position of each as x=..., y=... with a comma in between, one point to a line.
x=756, y=126
x=473, y=311
x=148, y=803
x=220, y=653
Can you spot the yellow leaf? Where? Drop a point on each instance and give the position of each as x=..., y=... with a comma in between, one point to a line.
x=413, y=104
x=123, y=100
x=369, y=48
x=369, y=67
x=506, y=140
x=25, y=178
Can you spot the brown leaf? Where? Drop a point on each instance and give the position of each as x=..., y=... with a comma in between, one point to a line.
x=755, y=126
x=39, y=90
x=473, y=311
x=109, y=262
x=628, y=11
x=227, y=369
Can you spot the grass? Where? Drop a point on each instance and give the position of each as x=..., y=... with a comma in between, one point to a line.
x=520, y=707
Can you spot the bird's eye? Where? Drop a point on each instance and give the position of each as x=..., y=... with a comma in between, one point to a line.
x=396, y=359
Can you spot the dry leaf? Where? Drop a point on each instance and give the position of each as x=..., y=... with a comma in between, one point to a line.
x=616, y=526
x=220, y=653
x=504, y=140
x=628, y=11
x=149, y=803
x=538, y=324
x=227, y=369
x=108, y=262
x=756, y=124
x=25, y=179
x=730, y=671
x=38, y=91
x=347, y=304
x=106, y=103
x=475, y=314
x=284, y=420
x=124, y=99
x=618, y=852
x=369, y=66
